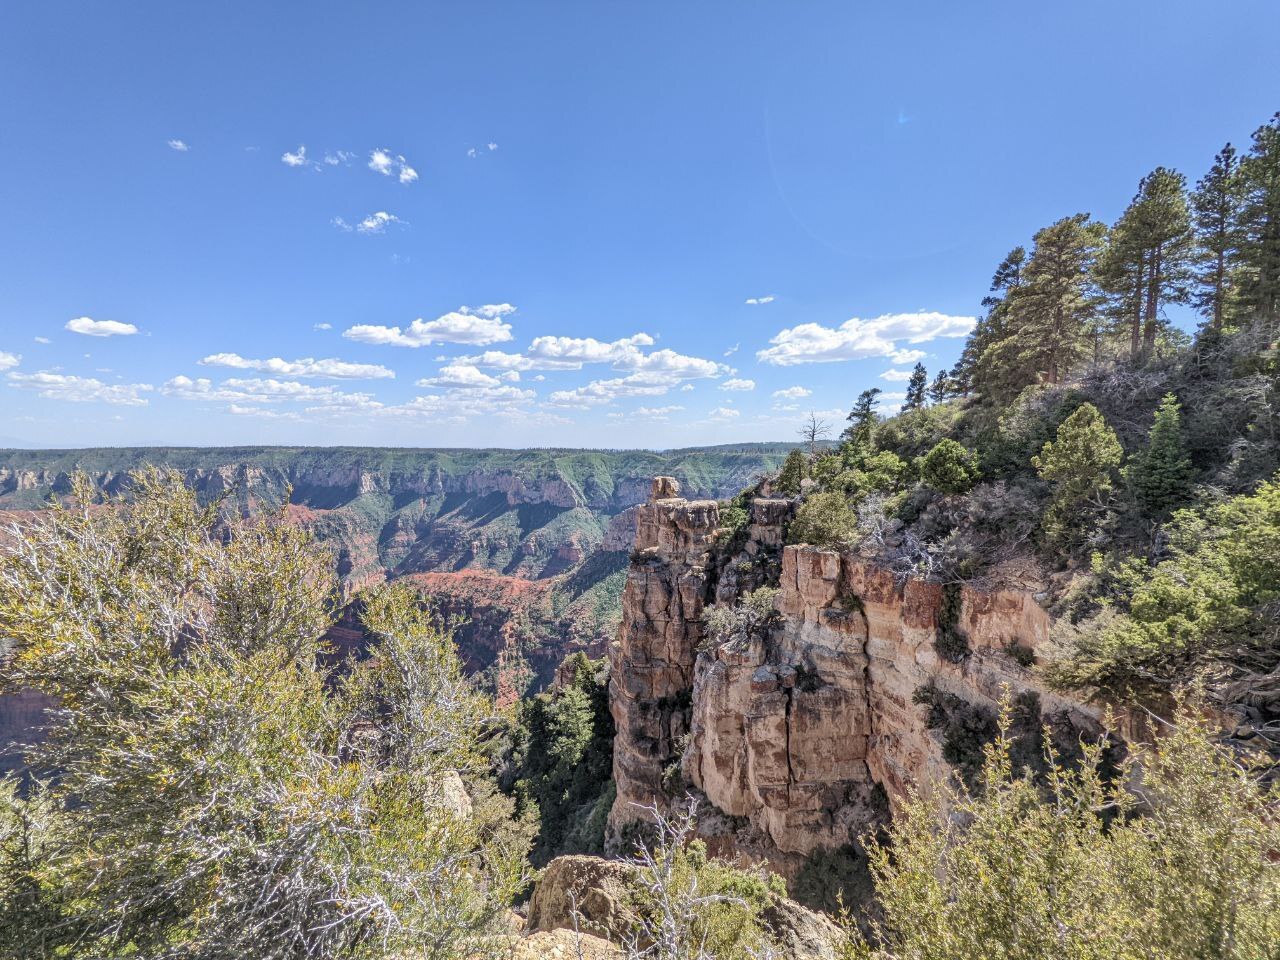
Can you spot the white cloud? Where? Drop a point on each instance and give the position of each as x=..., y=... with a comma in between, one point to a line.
x=792, y=393
x=322, y=326
x=599, y=392
x=896, y=376
x=561, y=351
x=686, y=388
x=492, y=146
x=459, y=375
x=41, y=339
x=907, y=356
x=732, y=350
x=298, y=159
x=761, y=300
x=9, y=360
x=57, y=386
x=373, y=223
x=480, y=327
x=266, y=414
x=338, y=157
x=101, y=328
x=661, y=414
x=473, y=152
x=253, y=390
x=179, y=145
x=736, y=384
x=857, y=339
x=331, y=369
x=383, y=162
x=724, y=413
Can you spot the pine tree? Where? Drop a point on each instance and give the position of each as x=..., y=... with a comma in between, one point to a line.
x=916, y=387
x=1216, y=204
x=794, y=471
x=1079, y=463
x=1050, y=311
x=1161, y=474
x=991, y=327
x=940, y=389
x=1147, y=260
x=1260, y=220
x=862, y=421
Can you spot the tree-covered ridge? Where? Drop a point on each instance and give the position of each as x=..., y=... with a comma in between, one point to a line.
x=1084, y=447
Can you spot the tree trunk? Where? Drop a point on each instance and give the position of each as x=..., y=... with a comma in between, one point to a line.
x=1153, y=305
x=1135, y=322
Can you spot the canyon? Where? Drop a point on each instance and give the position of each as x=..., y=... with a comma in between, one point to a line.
x=805, y=735
x=527, y=549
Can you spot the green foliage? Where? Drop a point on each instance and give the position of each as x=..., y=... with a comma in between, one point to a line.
x=1259, y=289
x=824, y=520
x=949, y=468
x=1071, y=866
x=1216, y=203
x=694, y=907
x=1079, y=463
x=794, y=471
x=1160, y=475
x=833, y=879
x=916, y=388
x=559, y=762
x=1208, y=606
x=218, y=793
x=1046, y=318
x=858, y=436
x=950, y=642
x=740, y=622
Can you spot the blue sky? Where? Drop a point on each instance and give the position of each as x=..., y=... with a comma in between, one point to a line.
x=543, y=223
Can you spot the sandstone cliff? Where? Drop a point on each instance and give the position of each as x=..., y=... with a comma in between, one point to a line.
x=803, y=736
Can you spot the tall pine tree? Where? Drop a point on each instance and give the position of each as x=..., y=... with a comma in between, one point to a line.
x=1048, y=316
x=991, y=327
x=1260, y=220
x=1216, y=205
x=862, y=422
x=916, y=387
x=1147, y=260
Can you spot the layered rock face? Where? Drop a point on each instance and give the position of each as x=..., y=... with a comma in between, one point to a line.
x=801, y=736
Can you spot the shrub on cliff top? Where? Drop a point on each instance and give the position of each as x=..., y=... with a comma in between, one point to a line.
x=824, y=520
x=727, y=623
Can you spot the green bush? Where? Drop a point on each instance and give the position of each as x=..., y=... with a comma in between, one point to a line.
x=949, y=468
x=824, y=520
x=1069, y=865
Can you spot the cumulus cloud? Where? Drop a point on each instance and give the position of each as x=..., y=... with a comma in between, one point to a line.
x=732, y=350
x=41, y=339
x=896, y=376
x=857, y=339
x=600, y=392
x=101, y=328
x=331, y=369
x=9, y=360
x=459, y=375
x=298, y=159
x=761, y=300
x=322, y=326
x=480, y=326
x=792, y=393
x=338, y=157
x=580, y=350
x=384, y=162
x=724, y=413
x=179, y=145
x=737, y=384
x=57, y=386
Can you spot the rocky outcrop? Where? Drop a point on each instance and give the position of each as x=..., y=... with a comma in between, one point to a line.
x=803, y=736
x=600, y=892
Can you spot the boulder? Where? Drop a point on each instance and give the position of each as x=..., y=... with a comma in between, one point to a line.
x=596, y=888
